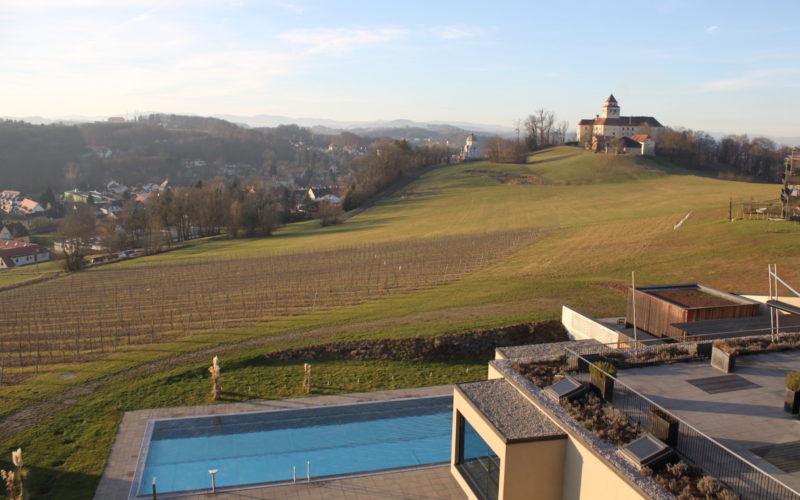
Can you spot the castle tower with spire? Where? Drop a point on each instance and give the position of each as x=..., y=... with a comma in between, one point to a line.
x=610, y=108
x=610, y=126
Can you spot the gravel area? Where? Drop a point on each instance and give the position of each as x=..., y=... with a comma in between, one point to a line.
x=542, y=351
x=509, y=412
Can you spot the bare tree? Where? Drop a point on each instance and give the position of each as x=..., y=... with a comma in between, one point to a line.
x=74, y=233
x=540, y=127
x=561, y=131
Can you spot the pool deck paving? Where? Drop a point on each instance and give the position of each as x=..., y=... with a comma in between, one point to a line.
x=428, y=483
x=433, y=483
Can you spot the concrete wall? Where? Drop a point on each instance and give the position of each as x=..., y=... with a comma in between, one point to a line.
x=493, y=372
x=581, y=326
x=789, y=299
x=587, y=477
x=483, y=428
x=533, y=470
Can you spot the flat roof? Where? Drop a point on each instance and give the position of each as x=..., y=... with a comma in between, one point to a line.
x=514, y=417
x=737, y=327
x=690, y=296
x=745, y=415
x=543, y=351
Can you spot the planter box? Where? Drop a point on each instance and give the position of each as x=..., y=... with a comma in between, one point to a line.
x=704, y=350
x=604, y=386
x=662, y=426
x=792, y=403
x=575, y=363
x=723, y=361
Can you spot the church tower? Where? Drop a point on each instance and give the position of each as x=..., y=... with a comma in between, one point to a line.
x=470, y=151
x=610, y=108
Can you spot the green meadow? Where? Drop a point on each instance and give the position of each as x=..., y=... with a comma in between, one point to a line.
x=596, y=219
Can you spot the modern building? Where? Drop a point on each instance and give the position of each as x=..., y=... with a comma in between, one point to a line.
x=516, y=437
x=610, y=124
x=8, y=200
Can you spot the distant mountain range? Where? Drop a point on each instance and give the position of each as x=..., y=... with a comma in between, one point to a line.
x=336, y=126
x=319, y=125
x=394, y=128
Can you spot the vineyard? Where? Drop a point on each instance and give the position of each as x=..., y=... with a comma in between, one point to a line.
x=85, y=315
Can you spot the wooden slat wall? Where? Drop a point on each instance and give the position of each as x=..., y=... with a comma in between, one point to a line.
x=655, y=315
x=723, y=312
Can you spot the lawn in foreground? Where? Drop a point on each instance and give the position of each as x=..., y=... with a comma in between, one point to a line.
x=67, y=453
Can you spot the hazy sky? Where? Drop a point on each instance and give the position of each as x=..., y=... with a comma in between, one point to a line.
x=720, y=66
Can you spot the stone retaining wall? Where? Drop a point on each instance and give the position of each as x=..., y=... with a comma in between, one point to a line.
x=478, y=345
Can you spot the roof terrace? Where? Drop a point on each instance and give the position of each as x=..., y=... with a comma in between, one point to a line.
x=743, y=411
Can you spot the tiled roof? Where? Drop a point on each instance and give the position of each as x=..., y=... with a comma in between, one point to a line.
x=10, y=249
x=640, y=137
x=628, y=121
x=15, y=229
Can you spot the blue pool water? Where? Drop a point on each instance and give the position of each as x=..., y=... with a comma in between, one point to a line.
x=255, y=448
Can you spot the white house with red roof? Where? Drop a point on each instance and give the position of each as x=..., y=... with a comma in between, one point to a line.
x=610, y=124
x=20, y=253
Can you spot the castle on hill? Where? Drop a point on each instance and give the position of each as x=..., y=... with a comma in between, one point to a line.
x=629, y=132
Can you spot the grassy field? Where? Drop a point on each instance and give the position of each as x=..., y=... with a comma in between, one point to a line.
x=595, y=219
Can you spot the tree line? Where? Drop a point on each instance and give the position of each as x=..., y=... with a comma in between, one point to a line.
x=386, y=161
x=757, y=157
x=173, y=216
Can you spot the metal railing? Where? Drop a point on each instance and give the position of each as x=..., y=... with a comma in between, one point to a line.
x=740, y=475
x=696, y=346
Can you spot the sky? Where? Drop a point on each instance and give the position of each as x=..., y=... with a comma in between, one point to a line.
x=720, y=66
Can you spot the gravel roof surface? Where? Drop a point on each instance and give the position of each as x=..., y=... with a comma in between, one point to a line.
x=508, y=410
x=539, y=351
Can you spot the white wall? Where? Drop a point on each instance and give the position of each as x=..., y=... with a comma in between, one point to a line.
x=581, y=326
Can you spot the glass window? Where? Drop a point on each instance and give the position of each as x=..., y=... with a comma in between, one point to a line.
x=479, y=465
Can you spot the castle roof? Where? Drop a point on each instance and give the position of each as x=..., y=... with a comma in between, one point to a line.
x=611, y=101
x=628, y=121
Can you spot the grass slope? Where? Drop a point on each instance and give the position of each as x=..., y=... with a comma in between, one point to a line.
x=602, y=217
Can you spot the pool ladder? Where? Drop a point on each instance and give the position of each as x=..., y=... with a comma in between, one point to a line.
x=213, y=474
x=308, y=472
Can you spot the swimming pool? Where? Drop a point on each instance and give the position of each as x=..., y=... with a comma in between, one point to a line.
x=264, y=447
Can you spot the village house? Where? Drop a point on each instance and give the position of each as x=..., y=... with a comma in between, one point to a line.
x=20, y=253
x=8, y=200
x=14, y=231
x=29, y=207
x=609, y=125
x=116, y=188
x=76, y=196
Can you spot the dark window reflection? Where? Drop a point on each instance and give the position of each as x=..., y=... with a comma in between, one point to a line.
x=479, y=465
